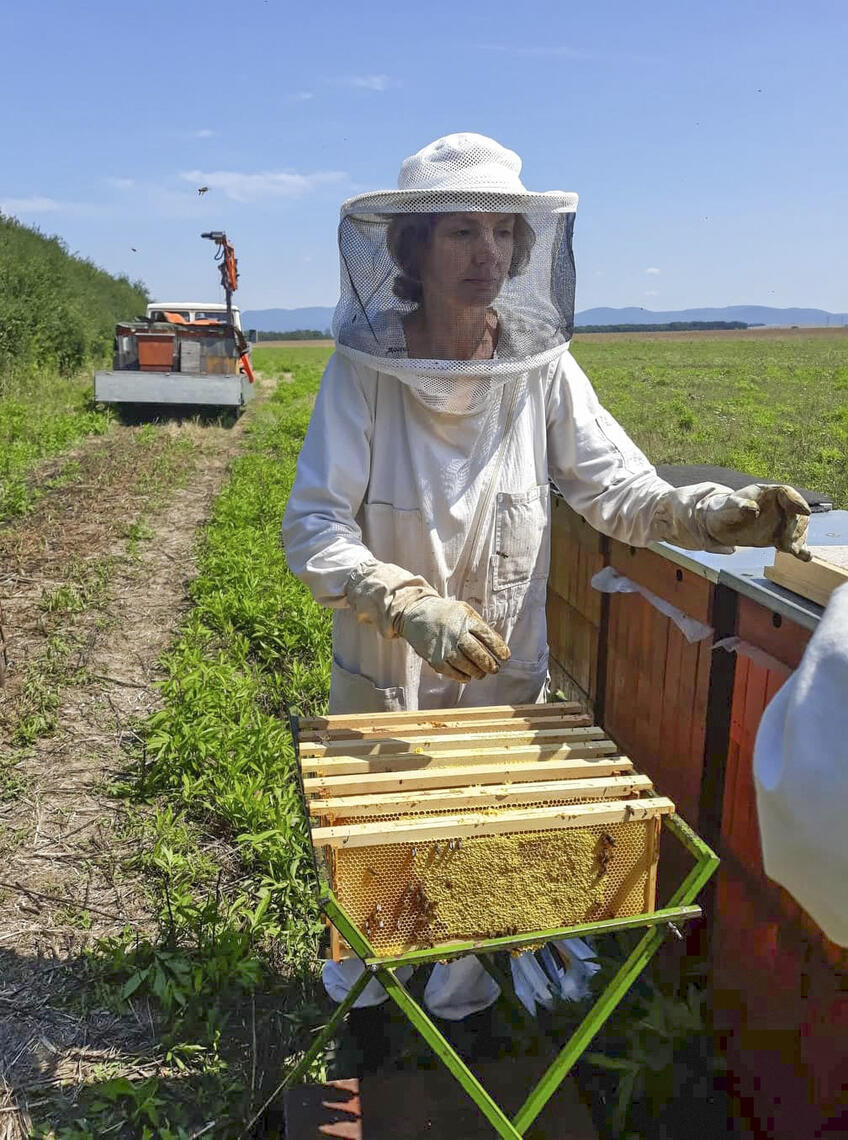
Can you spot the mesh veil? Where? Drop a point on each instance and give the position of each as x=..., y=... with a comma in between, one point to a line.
x=529, y=312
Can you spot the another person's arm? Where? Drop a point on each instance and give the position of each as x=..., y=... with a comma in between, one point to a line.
x=606, y=478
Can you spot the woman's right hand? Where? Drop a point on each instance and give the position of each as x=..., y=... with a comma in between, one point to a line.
x=452, y=638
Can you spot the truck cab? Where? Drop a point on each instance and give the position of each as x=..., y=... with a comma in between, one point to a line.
x=192, y=311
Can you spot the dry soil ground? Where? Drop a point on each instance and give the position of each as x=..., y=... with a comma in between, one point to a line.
x=92, y=585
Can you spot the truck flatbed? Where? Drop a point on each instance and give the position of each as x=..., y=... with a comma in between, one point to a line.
x=133, y=387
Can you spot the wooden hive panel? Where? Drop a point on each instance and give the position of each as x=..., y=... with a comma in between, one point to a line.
x=656, y=697
x=377, y=723
x=447, y=739
x=574, y=642
x=772, y=632
x=684, y=588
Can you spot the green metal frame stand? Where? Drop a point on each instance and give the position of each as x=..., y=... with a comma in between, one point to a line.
x=680, y=909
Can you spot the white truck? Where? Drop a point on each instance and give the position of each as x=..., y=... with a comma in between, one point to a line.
x=183, y=352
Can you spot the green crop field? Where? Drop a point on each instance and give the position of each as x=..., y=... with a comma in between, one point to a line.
x=774, y=407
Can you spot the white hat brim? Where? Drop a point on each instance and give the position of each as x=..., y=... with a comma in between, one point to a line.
x=441, y=200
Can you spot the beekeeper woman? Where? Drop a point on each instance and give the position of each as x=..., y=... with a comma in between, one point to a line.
x=420, y=509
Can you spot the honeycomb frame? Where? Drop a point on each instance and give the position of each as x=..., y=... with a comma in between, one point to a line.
x=554, y=866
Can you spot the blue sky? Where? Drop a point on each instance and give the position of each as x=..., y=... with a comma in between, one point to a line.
x=708, y=143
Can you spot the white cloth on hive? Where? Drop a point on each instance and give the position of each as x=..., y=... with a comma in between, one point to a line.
x=801, y=776
x=456, y=989
x=453, y=991
x=609, y=581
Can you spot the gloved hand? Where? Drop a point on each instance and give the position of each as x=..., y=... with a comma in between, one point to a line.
x=452, y=638
x=448, y=634
x=760, y=515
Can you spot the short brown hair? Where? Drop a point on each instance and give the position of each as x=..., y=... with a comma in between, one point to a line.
x=408, y=233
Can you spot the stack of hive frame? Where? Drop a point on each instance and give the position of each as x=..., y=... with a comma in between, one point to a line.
x=476, y=823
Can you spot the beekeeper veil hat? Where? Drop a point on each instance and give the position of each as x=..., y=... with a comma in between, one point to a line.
x=460, y=240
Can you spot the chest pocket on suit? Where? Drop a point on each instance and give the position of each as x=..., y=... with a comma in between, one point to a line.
x=522, y=537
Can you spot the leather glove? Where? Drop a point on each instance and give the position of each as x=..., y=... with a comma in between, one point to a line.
x=451, y=637
x=760, y=515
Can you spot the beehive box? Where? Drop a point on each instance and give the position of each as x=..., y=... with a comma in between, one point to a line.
x=461, y=824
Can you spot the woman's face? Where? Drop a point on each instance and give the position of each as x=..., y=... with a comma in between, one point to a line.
x=468, y=257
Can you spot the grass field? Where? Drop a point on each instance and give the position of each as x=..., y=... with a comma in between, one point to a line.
x=774, y=407
x=41, y=416
x=221, y=969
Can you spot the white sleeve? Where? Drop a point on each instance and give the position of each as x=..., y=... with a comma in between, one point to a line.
x=322, y=540
x=604, y=476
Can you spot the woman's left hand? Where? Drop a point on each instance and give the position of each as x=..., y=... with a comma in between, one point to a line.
x=760, y=515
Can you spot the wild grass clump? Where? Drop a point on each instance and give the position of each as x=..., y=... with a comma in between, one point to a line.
x=45, y=417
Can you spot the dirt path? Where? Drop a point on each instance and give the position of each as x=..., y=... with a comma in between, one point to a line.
x=92, y=586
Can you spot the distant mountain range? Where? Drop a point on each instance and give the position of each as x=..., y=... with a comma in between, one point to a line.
x=750, y=314
x=287, y=320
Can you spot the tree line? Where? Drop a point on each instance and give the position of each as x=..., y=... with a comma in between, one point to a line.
x=293, y=334
x=57, y=310
x=670, y=326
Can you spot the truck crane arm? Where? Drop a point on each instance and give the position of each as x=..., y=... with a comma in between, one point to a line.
x=225, y=255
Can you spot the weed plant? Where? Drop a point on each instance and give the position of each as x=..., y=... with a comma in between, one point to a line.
x=12, y=782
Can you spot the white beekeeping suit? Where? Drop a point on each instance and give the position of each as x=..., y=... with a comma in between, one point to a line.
x=801, y=776
x=424, y=478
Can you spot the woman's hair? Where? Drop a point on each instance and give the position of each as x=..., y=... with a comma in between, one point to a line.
x=408, y=234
